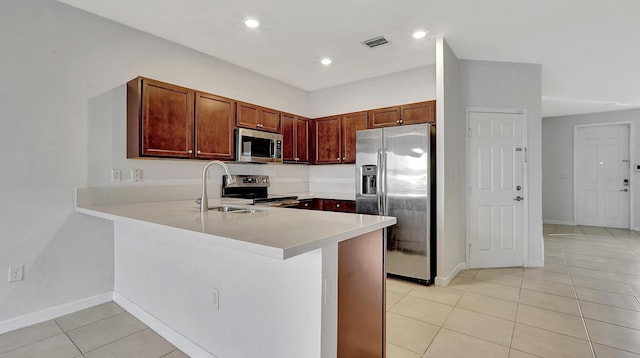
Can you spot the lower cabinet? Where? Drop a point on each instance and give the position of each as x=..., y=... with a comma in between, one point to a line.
x=346, y=206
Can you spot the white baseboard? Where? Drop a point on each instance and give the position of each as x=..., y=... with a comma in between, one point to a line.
x=165, y=331
x=637, y=228
x=54, y=312
x=559, y=222
x=444, y=281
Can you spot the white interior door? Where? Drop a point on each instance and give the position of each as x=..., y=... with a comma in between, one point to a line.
x=602, y=175
x=496, y=197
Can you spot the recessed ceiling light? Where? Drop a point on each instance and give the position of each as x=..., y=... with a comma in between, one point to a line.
x=326, y=61
x=251, y=22
x=420, y=34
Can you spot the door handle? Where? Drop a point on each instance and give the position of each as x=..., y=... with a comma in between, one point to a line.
x=518, y=198
x=625, y=190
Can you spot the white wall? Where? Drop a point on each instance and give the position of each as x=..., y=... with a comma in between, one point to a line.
x=518, y=86
x=557, y=162
x=414, y=85
x=451, y=161
x=62, y=97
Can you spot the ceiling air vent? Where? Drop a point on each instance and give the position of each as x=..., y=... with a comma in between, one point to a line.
x=375, y=42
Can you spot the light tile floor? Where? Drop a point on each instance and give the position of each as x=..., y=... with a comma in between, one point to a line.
x=583, y=303
x=98, y=332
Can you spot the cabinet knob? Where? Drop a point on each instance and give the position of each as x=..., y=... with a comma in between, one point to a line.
x=306, y=204
x=337, y=205
x=344, y=158
x=297, y=159
x=191, y=151
x=401, y=121
x=338, y=158
x=397, y=121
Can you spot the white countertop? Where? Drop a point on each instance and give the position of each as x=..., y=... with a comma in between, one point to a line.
x=275, y=232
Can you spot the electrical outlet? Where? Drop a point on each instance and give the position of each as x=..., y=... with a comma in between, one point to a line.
x=215, y=298
x=116, y=175
x=16, y=273
x=136, y=174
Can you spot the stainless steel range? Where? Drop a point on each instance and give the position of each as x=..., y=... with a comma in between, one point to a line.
x=256, y=187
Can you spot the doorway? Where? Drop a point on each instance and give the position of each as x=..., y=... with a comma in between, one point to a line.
x=497, y=188
x=602, y=175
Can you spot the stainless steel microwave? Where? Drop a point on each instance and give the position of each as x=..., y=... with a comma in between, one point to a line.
x=258, y=147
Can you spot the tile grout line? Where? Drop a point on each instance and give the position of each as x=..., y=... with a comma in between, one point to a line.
x=69, y=338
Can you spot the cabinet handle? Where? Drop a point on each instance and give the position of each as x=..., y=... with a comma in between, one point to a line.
x=297, y=159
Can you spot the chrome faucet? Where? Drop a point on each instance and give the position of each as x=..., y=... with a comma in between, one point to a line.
x=204, y=202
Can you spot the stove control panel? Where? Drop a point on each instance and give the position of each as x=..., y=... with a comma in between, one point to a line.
x=244, y=181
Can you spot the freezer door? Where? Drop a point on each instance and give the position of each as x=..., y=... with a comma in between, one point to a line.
x=407, y=189
x=368, y=148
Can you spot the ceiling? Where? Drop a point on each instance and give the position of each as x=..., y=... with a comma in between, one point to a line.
x=589, y=50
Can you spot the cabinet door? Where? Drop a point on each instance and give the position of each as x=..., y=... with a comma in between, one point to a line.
x=345, y=206
x=327, y=140
x=166, y=120
x=302, y=140
x=351, y=123
x=288, y=137
x=214, y=122
x=247, y=115
x=422, y=112
x=269, y=120
x=384, y=117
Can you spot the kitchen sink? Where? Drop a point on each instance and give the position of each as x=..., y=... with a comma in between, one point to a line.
x=233, y=209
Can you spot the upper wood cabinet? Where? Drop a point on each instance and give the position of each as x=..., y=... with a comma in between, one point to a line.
x=327, y=140
x=169, y=121
x=351, y=123
x=295, y=137
x=335, y=137
x=214, y=123
x=159, y=119
x=256, y=117
x=421, y=112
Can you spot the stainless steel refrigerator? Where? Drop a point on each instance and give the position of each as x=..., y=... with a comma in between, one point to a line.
x=394, y=177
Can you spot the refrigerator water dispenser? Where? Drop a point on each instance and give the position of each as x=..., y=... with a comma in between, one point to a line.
x=369, y=179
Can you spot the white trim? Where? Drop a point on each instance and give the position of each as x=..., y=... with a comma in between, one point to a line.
x=446, y=280
x=632, y=143
x=637, y=228
x=165, y=331
x=54, y=312
x=559, y=222
x=525, y=175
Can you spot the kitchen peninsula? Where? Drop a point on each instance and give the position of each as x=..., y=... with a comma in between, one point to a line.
x=268, y=282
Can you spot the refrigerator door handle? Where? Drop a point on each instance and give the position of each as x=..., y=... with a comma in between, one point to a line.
x=382, y=179
x=379, y=185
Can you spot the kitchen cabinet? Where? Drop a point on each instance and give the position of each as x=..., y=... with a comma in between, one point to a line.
x=168, y=121
x=335, y=138
x=345, y=206
x=351, y=123
x=159, y=119
x=310, y=204
x=256, y=117
x=295, y=137
x=214, y=123
x=421, y=112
